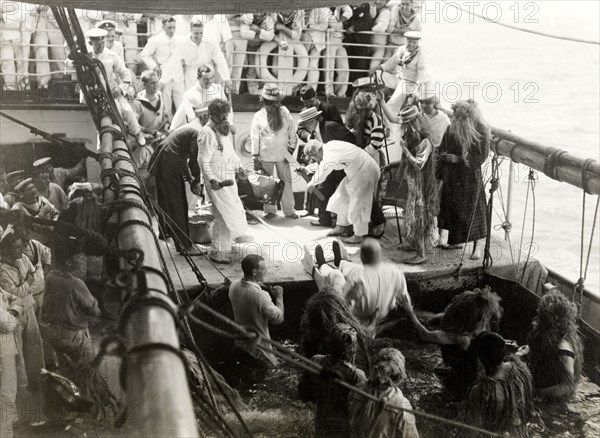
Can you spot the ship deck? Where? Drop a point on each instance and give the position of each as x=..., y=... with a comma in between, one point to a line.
x=281, y=242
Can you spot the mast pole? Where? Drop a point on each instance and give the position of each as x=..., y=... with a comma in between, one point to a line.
x=511, y=182
x=159, y=402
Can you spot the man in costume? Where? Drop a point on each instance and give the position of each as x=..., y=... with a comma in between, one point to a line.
x=463, y=150
x=500, y=401
x=219, y=163
x=271, y=133
x=367, y=418
x=418, y=168
x=353, y=199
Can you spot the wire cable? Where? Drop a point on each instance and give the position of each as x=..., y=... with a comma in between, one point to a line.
x=522, y=29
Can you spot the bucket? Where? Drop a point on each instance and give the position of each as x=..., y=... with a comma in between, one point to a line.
x=201, y=228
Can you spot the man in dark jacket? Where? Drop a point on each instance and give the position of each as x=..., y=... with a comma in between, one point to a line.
x=174, y=162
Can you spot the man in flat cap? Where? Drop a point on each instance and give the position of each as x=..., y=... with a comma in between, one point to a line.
x=9, y=192
x=111, y=34
x=34, y=205
x=42, y=173
x=408, y=65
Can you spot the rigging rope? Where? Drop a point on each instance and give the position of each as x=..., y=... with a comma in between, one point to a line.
x=579, y=287
x=522, y=29
x=531, y=181
x=306, y=364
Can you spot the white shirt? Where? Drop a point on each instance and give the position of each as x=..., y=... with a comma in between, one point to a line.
x=189, y=56
x=197, y=97
x=414, y=71
x=372, y=291
x=216, y=29
x=438, y=125
x=158, y=50
x=269, y=144
x=115, y=67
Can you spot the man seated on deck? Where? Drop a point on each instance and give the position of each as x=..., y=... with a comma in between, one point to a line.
x=253, y=308
x=372, y=289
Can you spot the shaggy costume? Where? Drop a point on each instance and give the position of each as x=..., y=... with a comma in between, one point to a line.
x=469, y=313
x=505, y=404
x=462, y=197
x=554, y=334
x=421, y=203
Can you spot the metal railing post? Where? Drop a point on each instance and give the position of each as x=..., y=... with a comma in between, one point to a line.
x=511, y=181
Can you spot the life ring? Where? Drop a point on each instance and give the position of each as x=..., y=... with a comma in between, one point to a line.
x=285, y=78
x=243, y=145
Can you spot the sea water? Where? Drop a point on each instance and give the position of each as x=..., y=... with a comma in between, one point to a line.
x=545, y=90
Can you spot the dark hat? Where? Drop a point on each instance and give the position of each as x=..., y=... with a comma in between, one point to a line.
x=307, y=92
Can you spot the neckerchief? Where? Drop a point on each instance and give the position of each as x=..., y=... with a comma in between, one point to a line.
x=154, y=108
x=409, y=56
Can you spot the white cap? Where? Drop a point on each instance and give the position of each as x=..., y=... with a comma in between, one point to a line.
x=413, y=35
x=96, y=33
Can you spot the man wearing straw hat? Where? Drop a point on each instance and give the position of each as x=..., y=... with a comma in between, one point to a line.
x=353, y=199
x=272, y=132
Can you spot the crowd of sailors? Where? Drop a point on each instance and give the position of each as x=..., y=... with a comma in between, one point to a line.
x=331, y=45
x=181, y=127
